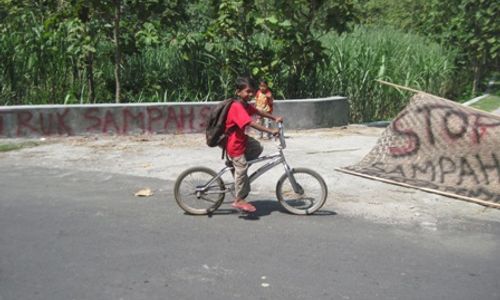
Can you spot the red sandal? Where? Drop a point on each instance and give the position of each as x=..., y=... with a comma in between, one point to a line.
x=244, y=206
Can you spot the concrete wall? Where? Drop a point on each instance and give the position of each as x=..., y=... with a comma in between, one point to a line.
x=137, y=118
x=313, y=113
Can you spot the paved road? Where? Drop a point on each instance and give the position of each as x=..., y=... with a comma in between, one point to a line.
x=83, y=235
x=324, y=150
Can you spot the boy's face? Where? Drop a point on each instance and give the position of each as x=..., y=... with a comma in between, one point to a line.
x=246, y=93
x=263, y=86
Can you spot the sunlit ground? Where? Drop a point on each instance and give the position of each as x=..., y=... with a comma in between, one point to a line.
x=490, y=103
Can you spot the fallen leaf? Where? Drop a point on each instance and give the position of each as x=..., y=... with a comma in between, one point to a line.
x=145, y=192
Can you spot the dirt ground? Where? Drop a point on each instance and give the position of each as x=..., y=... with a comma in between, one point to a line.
x=166, y=156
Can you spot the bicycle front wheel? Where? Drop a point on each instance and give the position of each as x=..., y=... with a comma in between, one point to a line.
x=310, y=196
x=197, y=192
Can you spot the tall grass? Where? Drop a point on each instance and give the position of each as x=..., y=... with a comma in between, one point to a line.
x=358, y=58
x=161, y=74
x=36, y=66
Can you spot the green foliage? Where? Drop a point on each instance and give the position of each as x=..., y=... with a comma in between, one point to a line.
x=472, y=27
x=172, y=50
x=403, y=14
x=359, y=58
x=9, y=147
x=4, y=147
x=469, y=26
x=489, y=104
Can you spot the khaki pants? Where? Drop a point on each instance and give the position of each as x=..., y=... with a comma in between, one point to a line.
x=241, y=180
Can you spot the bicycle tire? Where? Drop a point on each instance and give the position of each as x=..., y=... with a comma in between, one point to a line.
x=201, y=203
x=313, y=197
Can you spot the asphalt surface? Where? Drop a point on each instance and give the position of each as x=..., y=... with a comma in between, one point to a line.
x=73, y=234
x=323, y=150
x=71, y=228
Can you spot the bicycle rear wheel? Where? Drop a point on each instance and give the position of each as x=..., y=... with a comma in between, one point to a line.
x=193, y=194
x=312, y=196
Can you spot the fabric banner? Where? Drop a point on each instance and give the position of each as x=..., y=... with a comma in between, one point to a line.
x=439, y=146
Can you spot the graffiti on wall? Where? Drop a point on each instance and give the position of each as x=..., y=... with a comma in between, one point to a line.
x=439, y=145
x=120, y=121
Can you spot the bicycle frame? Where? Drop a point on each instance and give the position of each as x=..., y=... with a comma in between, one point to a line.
x=274, y=160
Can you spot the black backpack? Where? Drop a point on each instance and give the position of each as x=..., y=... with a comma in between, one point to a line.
x=216, y=125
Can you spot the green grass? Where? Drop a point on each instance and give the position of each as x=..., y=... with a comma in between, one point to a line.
x=359, y=58
x=4, y=147
x=490, y=103
x=9, y=147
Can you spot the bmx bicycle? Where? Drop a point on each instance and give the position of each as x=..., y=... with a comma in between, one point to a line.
x=301, y=191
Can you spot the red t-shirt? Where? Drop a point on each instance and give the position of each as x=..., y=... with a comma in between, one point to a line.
x=238, y=117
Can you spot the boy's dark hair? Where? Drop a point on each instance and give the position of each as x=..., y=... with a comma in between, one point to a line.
x=244, y=81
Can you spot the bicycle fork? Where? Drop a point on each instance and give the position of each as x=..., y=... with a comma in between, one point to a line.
x=297, y=188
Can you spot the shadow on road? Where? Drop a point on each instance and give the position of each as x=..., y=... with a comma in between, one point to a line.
x=264, y=208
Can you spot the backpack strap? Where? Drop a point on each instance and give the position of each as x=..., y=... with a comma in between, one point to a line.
x=224, y=153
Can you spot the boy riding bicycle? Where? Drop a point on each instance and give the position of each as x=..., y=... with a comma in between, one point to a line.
x=240, y=147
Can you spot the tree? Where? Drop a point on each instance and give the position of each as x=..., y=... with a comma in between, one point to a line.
x=408, y=15
x=468, y=26
x=116, y=41
x=472, y=27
